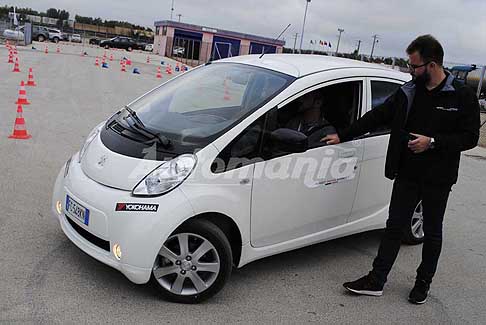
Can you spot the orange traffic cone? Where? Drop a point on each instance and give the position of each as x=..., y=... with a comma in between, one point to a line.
x=123, y=66
x=58, y=50
x=31, y=81
x=16, y=66
x=19, y=131
x=10, y=57
x=111, y=57
x=22, y=100
x=46, y=50
x=104, y=60
x=148, y=59
x=159, y=73
x=97, y=62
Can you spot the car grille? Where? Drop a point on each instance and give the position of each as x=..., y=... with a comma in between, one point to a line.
x=103, y=244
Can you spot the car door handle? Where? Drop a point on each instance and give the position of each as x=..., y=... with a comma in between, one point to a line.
x=245, y=181
x=347, y=153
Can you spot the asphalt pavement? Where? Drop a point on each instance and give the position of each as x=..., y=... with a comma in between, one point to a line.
x=44, y=278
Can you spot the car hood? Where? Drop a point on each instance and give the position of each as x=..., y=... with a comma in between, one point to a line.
x=113, y=169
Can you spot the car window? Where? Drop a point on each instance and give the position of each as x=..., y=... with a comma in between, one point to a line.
x=196, y=107
x=243, y=150
x=380, y=91
x=318, y=113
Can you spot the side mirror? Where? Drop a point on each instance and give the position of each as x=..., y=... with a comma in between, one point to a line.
x=289, y=141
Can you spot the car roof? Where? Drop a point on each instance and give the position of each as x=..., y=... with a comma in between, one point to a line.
x=299, y=65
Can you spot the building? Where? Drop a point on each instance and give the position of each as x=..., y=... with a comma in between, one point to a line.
x=194, y=44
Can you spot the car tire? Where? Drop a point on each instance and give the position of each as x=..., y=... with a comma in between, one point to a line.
x=173, y=274
x=129, y=49
x=107, y=47
x=414, y=233
x=41, y=38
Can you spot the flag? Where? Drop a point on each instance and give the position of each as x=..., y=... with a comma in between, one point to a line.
x=325, y=43
x=330, y=44
x=321, y=43
x=312, y=42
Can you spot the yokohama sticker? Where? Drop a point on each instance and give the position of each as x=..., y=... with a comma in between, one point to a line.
x=141, y=207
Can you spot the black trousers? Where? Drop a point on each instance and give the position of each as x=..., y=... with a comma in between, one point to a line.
x=405, y=196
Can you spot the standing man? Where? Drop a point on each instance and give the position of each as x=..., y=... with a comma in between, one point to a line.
x=432, y=118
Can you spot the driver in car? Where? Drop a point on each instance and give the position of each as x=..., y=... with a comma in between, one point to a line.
x=309, y=119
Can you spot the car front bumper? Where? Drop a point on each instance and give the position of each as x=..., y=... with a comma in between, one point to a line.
x=139, y=234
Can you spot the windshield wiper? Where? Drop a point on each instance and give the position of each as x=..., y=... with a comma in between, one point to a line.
x=139, y=127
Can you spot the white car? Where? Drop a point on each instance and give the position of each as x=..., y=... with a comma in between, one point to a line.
x=212, y=169
x=55, y=35
x=76, y=38
x=16, y=35
x=178, y=50
x=149, y=47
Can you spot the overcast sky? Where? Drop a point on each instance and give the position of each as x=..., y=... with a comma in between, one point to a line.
x=460, y=25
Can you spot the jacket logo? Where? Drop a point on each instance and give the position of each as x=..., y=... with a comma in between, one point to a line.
x=448, y=109
x=136, y=207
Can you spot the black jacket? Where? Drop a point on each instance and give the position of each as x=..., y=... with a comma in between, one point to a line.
x=455, y=127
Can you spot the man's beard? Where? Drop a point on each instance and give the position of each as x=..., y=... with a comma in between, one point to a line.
x=421, y=80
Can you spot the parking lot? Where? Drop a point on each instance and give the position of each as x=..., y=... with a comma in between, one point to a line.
x=47, y=279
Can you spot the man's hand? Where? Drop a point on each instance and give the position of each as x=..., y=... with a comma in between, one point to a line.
x=331, y=139
x=420, y=144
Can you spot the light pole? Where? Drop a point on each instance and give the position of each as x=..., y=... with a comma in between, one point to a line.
x=340, y=30
x=172, y=10
x=179, y=15
x=303, y=25
x=295, y=41
x=373, y=47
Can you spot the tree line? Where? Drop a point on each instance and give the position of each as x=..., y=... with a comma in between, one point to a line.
x=63, y=15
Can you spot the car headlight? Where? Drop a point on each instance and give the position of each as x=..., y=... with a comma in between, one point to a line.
x=90, y=139
x=166, y=177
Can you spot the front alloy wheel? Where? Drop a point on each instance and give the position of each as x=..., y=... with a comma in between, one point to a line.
x=193, y=264
x=414, y=234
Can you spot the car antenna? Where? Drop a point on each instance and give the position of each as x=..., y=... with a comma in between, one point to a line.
x=265, y=51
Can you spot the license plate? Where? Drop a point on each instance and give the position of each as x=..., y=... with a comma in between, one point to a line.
x=77, y=210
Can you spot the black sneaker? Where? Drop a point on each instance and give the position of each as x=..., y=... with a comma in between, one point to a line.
x=418, y=295
x=365, y=286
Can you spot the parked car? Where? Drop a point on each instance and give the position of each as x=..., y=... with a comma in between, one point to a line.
x=76, y=38
x=120, y=42
x=178, y=50
x=40, y=33
x=94, y=41
x=55, y=35
x=14, y=34
x=177, y=191
x=149, y=48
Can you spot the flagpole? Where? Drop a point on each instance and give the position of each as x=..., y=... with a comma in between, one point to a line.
x=303, y=26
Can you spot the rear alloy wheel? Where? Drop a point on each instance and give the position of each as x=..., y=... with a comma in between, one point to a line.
x=40, y=38
x=414, y=234
x=129, y=49
x=193, y=264
x=107, y=47
x=56, y=39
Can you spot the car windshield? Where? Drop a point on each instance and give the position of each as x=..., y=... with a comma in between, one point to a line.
x=196, y=107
